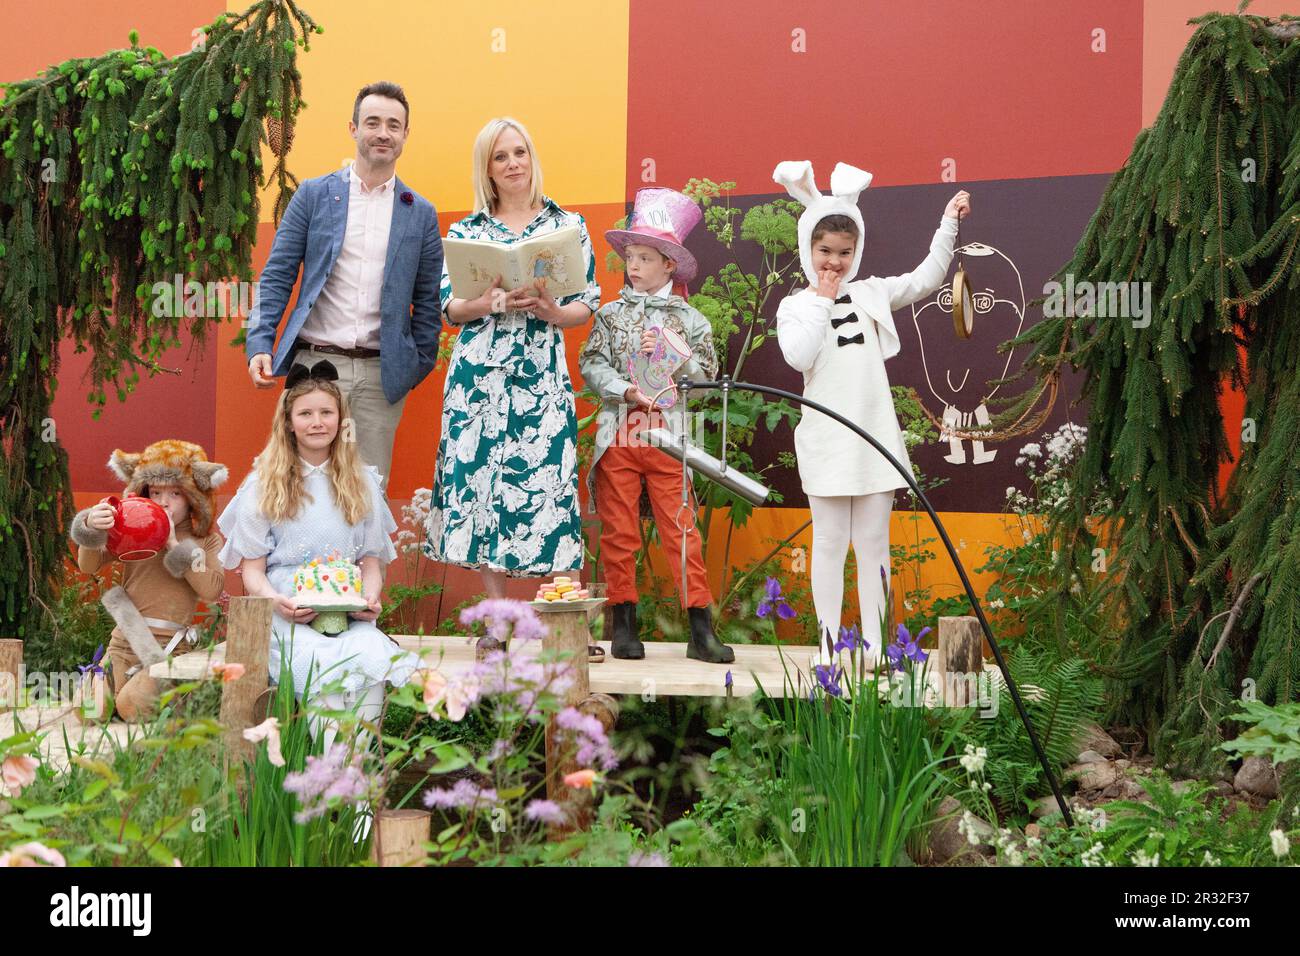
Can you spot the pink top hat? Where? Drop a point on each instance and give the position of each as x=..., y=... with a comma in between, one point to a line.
x=661, y=218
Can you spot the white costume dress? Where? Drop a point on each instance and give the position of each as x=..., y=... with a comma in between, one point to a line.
x=841, y=348
x=361, y=657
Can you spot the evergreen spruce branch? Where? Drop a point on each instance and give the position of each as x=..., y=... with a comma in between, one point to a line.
x=115, y=176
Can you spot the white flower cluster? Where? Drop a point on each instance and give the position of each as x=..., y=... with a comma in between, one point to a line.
x=968, y=829
x=1010, y=848
x=1048, y=470
x=416, y=517
x=973, y=759
x=1096, y=819
x=1140, y=858
x=1281, y=845
x=1093, y=856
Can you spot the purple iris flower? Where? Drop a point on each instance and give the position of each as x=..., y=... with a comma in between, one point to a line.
x=94, y=667
x=905, y=647
x=828, y=675
x=773, y=601
x=728, y=682
x=850, y=640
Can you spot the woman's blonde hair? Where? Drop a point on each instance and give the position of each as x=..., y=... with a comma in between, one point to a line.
x=278, y=470
x=485, y=194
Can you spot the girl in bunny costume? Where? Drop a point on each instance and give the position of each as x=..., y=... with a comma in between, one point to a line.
x=839, y=332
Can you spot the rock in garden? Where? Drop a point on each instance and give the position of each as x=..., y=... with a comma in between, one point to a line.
x=947, y=842
x=1258, y=776
x=1093, y=776
x=1131, y=789
x=1090, y=756
x=1046, y=810
x=1095, y=739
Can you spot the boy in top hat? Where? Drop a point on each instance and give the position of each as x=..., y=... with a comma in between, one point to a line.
x=154, y=605
x=653, y=251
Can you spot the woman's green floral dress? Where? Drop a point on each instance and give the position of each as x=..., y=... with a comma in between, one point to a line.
x=506, y=490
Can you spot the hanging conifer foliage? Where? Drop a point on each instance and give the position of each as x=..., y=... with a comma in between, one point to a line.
x=118, y=172
x=1207, y=211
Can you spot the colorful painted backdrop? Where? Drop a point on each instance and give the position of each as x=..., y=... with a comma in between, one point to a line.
x=1028, y=105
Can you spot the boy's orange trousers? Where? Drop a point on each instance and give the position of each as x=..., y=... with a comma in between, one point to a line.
x=618, y=493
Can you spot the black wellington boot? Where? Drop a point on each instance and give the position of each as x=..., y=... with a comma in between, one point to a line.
x=704, y=645
x=622, y=634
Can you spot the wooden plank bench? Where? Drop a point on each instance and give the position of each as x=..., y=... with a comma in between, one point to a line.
x=665, y=670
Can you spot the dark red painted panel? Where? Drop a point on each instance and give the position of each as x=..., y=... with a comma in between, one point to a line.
x=1006, y=88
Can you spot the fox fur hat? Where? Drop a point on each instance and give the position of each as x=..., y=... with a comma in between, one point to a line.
x=173, y=462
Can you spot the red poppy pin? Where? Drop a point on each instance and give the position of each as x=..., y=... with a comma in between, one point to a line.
x=407, y=198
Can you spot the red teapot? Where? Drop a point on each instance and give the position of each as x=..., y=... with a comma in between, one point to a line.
x=140, y=527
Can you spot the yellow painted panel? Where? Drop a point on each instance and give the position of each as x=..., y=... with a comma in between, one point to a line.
x=559, y=68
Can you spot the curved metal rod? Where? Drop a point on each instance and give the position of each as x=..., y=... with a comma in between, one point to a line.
x=725, y=384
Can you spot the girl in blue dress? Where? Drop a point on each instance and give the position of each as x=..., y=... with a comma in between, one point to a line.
x=309, y=496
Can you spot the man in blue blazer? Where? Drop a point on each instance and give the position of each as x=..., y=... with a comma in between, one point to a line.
x=371, y=261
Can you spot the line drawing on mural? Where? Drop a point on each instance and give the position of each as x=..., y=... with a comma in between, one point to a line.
x=958, y=413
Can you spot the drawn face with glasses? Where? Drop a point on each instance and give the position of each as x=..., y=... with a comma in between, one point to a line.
x=1006, y=318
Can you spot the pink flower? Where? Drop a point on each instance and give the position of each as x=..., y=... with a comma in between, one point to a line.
x=461, y=696
x=327, y=778
x=580, y=779
x=587, y=733
x=465, y=794
x=505, y=618
x=228, y=672
x=435, y=688
x=457, y=696
x=268, y=730
x=17, y=773
x=545, y=811
x=32, y=854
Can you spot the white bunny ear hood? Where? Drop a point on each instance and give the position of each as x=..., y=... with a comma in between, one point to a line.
x=847, y=183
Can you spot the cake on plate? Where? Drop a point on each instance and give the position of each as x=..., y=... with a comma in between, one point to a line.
x=332, y=587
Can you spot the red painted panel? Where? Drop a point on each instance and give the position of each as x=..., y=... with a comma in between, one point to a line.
x=1005, y=88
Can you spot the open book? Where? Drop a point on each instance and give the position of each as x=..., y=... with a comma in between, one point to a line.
x=555, y=256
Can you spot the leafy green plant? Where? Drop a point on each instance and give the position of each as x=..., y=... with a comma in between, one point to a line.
x=136, y=805
x=1273, y=731
x=79, y=624
x=1061, y=697
x=737, y=809
x=863, y=767
x=254, y=821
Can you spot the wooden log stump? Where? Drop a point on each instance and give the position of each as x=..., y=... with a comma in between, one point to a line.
x=567, y=637
x=960, y=660
x=485, y=645
x=11, y=672
x=601, y=706
x=248, y=642
x=402, y=834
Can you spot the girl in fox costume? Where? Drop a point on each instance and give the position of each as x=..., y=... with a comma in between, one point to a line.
x=154, y=604
x=839, y=332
